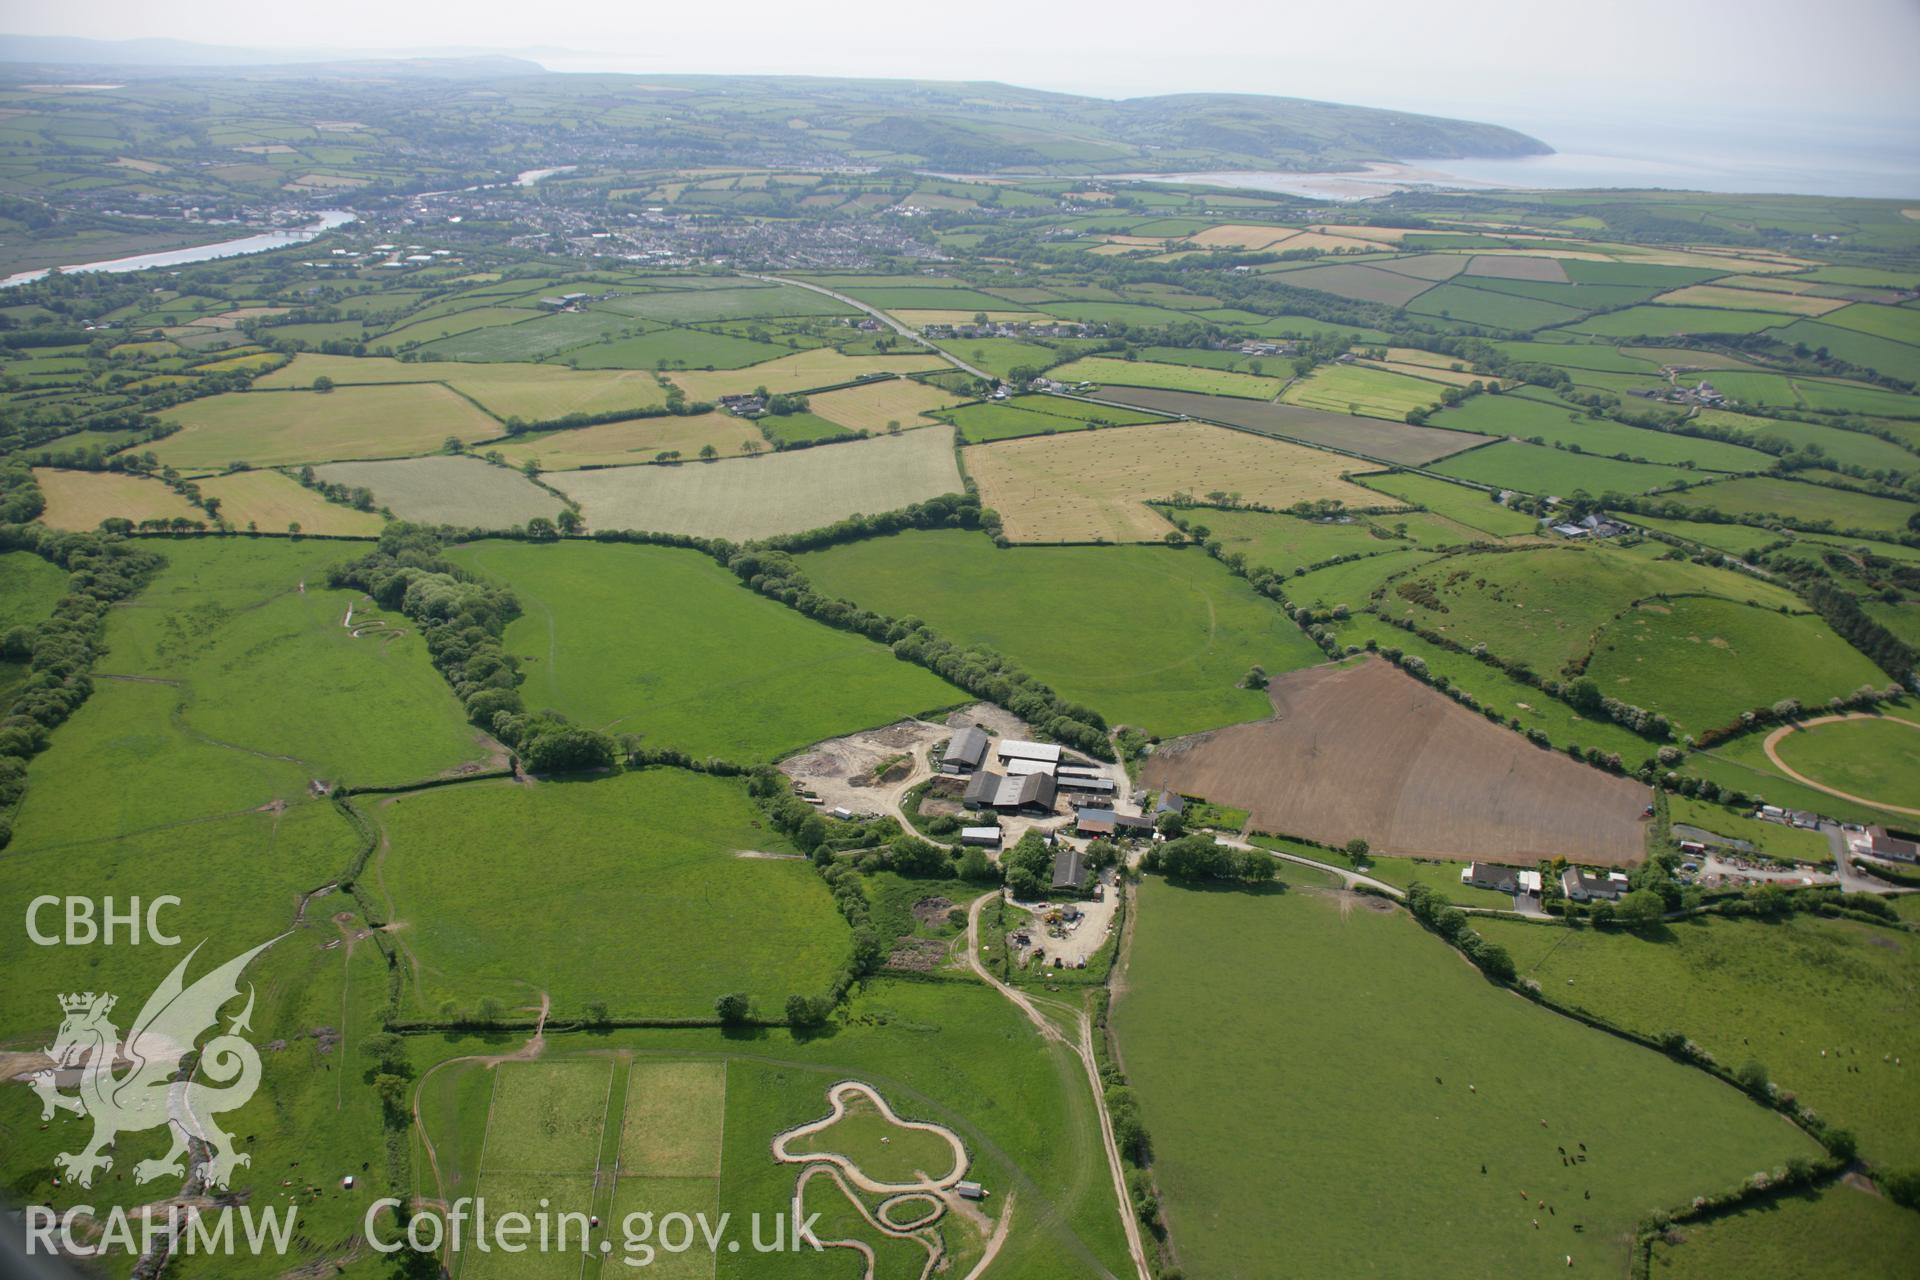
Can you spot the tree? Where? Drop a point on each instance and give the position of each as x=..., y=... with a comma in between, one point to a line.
x=567, y=749
x=1753, y=1078
x=1357, y=850
x=1494, y=961
x=708, y=453
x=597, y=1014
x=1641, y=909
x=392, y=1090
x=323, y=384
x=733, y=1008
x=568, y=521
x=541, y=529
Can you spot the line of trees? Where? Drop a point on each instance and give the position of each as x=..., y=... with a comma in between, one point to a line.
x=60, y=650
x=462, y=620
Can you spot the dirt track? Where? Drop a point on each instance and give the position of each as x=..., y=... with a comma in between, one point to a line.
x=1773, y=755
x=1371, y=752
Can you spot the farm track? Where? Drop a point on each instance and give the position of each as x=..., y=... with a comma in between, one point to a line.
x=905, y=331
x=1773, y=756
x=1082, y=1048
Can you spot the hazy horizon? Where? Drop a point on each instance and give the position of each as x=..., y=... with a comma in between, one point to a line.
x=1641, y=63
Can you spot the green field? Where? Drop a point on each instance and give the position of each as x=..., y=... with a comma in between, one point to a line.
x=1474, y=508
x=1259, y=1190
x=1284, y=543
x=692, y=1118
x=1442, y=877
x=187, y=731
x=1050, y=610
x=1797, y=504
x=494, y=904
x=1000, y=356
x=1351, y=583
x=1559, y=472
x=1875, y=759
x=1492, y=687
x=306, y=426
x=1172, y=377
x=1543, y=607
x=534, y=339
x=666, y=644
x=530, y=392
x=1655, y=321
x=682, y=306
x=1373, y=393
x=1849, y=448
x=1885, y=356
x=1777, y=840
x=783, y=493
x=1798, y=1237
x=675, y=349
x=1741, y=764
x=1704, y=661
x=1735, y=539
x=1568, y=426
x=1824, y=395
x=1494, y=309
x=1778, y=993
x=29, y=588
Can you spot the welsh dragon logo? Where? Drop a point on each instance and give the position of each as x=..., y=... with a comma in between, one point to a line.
x=153, y=1090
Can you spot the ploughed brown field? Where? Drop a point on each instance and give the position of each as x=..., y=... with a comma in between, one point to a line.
x=1365, y=750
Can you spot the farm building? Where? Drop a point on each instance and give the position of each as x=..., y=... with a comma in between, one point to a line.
x=1032, y=791
x=1132, y=824
x=966, y=752
x=1170, y=802
x=1581, y=887
x=1086, y=782
x=984, y=837
x=1069, y=871
x=1882, y=843
x=1041, y=752
x=1092, y=821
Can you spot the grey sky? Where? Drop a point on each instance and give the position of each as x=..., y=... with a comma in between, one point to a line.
x=1537, y=66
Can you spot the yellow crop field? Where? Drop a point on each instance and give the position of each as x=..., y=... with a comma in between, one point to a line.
x=271, y=501
x=1709, y=295
x=634, y=440
x=531, y=392
x=1383, y=235
x=1092, y=486
x=873, y=406
x=272, y=428
x=1424, y=371
x=80, y=500
x=1235, y=235
x=801, y=371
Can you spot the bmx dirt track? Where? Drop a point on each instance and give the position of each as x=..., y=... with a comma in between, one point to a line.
x=1367, y=751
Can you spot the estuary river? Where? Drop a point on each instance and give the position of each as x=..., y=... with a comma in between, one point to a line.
x=256, y=243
